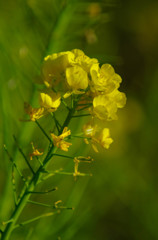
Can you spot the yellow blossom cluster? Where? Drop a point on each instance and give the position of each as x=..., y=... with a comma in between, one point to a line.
x=73, y=73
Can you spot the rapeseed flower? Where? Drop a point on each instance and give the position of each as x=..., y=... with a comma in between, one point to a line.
x=69, y=70
x=96, y=137
x=34, y=113
x=50, y=101
x=83, y=60
x=105, y=106
x=89, y=129
x=77, y=78
x=54, y=66
x=59, y=142
x=104, y=138
x=104, y=79
x=35, y=152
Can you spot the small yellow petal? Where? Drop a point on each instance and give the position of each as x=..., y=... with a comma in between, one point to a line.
x=34, y=113
x=76, y=78
x=59, y=142
x=50, y=101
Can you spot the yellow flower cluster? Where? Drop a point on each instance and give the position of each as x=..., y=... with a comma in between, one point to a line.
x=72, y=72
x=68, y=71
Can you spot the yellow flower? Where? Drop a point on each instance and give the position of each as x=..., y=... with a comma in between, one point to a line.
x=104, y=139
x=54, y=67
x=104, y=79
x=89, y=129
x=105, y=106
x=76, y=78
x=83, y=60
x=67, y=71
x=77, y=73
x=50, y=101
x=35, y=152
x=59, y=142
x=34, y=113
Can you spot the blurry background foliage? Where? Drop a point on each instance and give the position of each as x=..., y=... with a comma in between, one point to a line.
x=120, y=201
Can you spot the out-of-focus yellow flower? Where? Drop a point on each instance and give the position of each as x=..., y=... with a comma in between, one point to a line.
x=50, y=101
x=59, y=142
x=94, y=9
x=76, y=78
x=90, y=36
x=105, y=106
x=104, y=79
x=35, y=152
x=104, y=139
x=34, y=113
x=89, y=129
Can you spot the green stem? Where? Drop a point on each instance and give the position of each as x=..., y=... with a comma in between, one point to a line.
x=44, y=192
x=13, y=185
x=82, y=115
x=29, y=188
x=22, y=153
x=57, y=124
x=36, y=218
x=14, y=164
x=49, y=206
x=43, y=131
x=61, y=155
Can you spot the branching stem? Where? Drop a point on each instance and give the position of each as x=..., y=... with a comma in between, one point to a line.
x=29, y=188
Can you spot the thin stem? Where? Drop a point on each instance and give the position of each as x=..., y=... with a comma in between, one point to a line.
x=50, y=174
x=65, y=104
x=44, y=192
x=43, y=131
x=81, y=109
x=13, y=184
x=75, y=136
x=36, y=218
x=58, y=126
x=49, y=206
x=22, y=153
x=61, y=155
x=72, y=101
x=82, y=115
x=6, y=222
x=13, y=162
x=41, y=164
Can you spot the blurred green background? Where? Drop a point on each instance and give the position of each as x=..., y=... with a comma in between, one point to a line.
x=120, y=200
